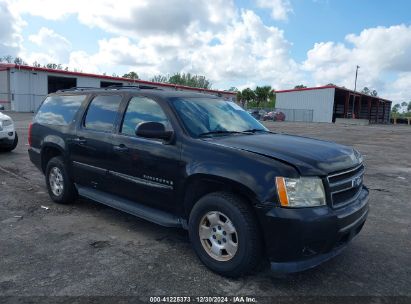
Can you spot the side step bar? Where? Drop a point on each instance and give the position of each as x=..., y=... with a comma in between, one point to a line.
x=150, y=214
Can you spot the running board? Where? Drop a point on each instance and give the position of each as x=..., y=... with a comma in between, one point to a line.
x=150, y=214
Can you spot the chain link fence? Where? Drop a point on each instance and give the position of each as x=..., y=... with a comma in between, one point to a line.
x=296, y=115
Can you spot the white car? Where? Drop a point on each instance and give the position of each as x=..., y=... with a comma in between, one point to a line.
x=8, y=135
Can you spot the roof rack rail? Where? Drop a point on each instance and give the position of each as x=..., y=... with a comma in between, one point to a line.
x=78, y=89
x=112, y=87
x=139, y=86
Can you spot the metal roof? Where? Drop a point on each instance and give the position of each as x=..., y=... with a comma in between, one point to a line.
x=329, y=87
x=138, y=81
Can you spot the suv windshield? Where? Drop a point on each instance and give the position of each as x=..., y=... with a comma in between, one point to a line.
x=209, y=116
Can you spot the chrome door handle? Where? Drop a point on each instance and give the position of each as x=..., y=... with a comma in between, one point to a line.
x=120, y=148
x=79, y=140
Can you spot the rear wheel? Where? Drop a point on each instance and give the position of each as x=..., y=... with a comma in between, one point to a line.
x=225, y=234
x=59, y=185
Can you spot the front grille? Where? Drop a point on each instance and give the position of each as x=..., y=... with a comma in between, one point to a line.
x=345, y=186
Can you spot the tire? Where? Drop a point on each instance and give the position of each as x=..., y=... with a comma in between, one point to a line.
x=59, y=185
x=13, y=145
x=231, y=261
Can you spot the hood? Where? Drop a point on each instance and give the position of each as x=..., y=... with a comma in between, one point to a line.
x=309, y=156
x=4, y=117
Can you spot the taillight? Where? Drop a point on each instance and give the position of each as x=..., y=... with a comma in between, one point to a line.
x=29, y=137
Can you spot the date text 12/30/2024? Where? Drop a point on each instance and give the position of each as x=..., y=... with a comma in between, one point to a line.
x=175, y=299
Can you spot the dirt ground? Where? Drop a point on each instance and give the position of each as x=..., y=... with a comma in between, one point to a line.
x=89, y=249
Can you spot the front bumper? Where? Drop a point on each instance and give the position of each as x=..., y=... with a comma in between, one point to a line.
x=7, y=137
x=299, y=239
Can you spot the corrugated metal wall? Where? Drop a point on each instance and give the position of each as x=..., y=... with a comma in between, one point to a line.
x=5, y=90
x=320, y=101
x=29, y=88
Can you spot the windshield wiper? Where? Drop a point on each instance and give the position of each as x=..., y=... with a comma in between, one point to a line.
x=220, y=132
x=256, y=130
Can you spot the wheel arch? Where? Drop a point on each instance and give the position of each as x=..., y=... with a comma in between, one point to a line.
x=49, y=151
x=200, y=184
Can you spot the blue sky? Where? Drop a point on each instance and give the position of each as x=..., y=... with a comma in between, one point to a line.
x=234, y=43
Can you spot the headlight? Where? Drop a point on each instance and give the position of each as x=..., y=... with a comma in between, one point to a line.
x=7, y=123
x=300, y=192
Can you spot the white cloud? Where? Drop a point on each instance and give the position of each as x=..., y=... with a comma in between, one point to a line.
x=245, y=51
x=10, y=30
x=56, y=47
x=213, y=38
x=378, y=51
x=280, y=9
x=400, y=89
x=131, y=18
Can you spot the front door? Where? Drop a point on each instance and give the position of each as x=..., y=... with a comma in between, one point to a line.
x=91, y=147
x=144, y=170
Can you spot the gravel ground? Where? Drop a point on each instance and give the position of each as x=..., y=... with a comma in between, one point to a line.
x=87, y=249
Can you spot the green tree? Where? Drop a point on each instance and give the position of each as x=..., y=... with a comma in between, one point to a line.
x=366, y=91
x=409, y=107
x=131, y=75
x=404, y=106
x=240, y=97
x=195, y=81
x=300, y=86
x=7, y=58
x=19, y=61
x=369, y=92
x=159, y=78
x=248, y=95
x=396, y=108
x=264, y=95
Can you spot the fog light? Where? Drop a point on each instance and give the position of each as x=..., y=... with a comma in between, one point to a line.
x=10, y=133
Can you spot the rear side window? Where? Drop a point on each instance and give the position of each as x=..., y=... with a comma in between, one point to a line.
x=102, y=113
x=59, y=109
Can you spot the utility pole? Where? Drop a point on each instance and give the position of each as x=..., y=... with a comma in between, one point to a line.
x=356, y=74
x=355, y=90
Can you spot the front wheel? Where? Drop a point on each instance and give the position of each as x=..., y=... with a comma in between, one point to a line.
x=225, y=234
x=59, y=185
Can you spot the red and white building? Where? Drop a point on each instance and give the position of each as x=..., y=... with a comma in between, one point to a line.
x=330, y=103
x=23, y=88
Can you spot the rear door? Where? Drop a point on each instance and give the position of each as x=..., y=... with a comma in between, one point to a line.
x=91, y=146
x=144, y=170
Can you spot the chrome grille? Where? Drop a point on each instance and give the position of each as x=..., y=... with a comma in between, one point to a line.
x=345, y=186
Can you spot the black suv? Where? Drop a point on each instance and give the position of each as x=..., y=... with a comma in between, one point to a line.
x=202, y=163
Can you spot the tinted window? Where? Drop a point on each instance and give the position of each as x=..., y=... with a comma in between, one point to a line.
x=102, y=113
x=59, y=110
x=141, y=109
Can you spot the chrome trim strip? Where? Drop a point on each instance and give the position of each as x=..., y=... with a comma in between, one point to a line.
x=348, y=179
x=342, y=190
x=345, y=172
x=98, y=169
x=140, y=181
x=361, y=173
x=349, y=201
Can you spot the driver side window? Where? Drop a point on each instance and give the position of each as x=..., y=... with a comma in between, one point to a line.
x=141, y=109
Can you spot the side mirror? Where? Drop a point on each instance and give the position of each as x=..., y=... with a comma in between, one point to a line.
x=151, y=129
